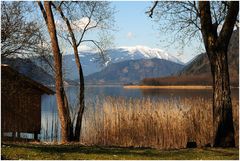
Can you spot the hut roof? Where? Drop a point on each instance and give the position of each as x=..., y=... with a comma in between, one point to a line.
x=8, y=70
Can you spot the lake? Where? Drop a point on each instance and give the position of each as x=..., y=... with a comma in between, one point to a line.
x=50, y=121
x=94, y=91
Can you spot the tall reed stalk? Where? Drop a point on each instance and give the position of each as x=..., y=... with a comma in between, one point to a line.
x=163, y=124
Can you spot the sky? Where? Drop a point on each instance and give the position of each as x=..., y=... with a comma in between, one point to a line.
x=134, y=27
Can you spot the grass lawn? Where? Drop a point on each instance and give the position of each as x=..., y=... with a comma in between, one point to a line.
x=39, y=151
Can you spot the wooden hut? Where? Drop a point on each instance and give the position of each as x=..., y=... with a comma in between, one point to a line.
x=21, y=102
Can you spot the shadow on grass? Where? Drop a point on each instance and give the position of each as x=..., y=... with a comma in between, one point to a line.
x=221, y=151
x=72, y=149
x=59, y=149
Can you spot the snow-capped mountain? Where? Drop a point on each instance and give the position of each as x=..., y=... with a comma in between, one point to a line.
x=90, y=63
x=142, y=52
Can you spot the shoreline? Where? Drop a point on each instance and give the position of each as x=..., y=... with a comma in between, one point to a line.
x=167, y=87
x=170, y=87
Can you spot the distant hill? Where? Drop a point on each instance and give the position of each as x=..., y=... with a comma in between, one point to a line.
x=133, y=71
x=198, y=71
x=33, y=71
x=200, y=65
x=29, y=69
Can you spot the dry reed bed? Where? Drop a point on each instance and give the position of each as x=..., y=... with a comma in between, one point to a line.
x=162, y=124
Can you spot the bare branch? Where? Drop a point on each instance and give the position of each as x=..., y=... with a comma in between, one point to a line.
x=86, y=26
x=43, y=11
x=229, y=23
x=99, y=48
x=150, y=12
x=19, y=34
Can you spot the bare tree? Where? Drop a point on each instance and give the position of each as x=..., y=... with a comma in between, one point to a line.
x=19, y=35
x=62, y=103
x=215, y=21
x=94, y=15
x=22, y=36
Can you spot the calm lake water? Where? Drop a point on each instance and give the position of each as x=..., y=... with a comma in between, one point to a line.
x=93, y=92
x=49, y=106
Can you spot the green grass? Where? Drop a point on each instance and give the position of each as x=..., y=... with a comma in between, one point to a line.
x=40, y=152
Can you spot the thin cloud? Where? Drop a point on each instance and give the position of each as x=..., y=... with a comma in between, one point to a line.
x=77, y=25
x=84, y=48
x=130, y=35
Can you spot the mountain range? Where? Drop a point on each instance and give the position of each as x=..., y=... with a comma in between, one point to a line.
x=91, y=61
x=124, y=65
x=131, y=65
x=132, y=71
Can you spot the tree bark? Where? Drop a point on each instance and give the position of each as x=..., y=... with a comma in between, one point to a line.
x=81, y=107
x=81, y=78
x=62, y=104
x=223, y=130
x=81, y=90
x=216, y=48
x=81, y=82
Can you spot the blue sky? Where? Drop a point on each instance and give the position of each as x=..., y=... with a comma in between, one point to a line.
x=134, y=27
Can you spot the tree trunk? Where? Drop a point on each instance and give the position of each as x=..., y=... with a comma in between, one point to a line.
x=81, y=107
x=81, y=95
x=216, y=46
x=63, y=110
x=223, y=132
x=81, y=78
